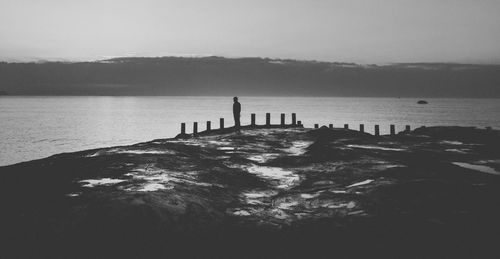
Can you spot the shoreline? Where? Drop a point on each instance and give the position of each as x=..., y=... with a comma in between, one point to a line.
x=87, y=122
x=201, y=133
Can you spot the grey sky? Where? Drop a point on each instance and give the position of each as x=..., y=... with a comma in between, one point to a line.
x=368, y=31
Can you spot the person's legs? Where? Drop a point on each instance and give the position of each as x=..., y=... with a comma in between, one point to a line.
x=237, y=121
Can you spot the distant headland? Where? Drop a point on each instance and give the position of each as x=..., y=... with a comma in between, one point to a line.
x=215, y=76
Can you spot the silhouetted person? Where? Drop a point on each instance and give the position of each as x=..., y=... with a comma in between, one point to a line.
x=236, y=113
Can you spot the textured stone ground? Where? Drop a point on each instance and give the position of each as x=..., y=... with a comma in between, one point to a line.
x=432, y=192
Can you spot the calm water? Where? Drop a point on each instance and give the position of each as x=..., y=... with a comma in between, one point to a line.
x=36, y=127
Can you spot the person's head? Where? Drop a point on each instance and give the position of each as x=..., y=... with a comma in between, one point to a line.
x=235, y=98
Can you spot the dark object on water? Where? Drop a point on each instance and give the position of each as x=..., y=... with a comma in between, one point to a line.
x=422, y=102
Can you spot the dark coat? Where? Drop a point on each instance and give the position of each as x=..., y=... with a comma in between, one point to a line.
x=236, y=108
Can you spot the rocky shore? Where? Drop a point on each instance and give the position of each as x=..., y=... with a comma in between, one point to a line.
x=432, y=192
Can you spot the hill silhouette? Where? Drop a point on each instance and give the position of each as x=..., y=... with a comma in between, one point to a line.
x=248, y=76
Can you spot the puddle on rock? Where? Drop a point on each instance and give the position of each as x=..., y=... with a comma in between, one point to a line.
x=340, y=205
x=257, y=197
x=226, y=148
x=98, y=153
x=479, y=168
x=151, y=187
x=376, y=147
x=262, y=158
x=357, y=212
x=298, y=147
x=287, y=205
x=286, y=179
x=132, y=151
x=101, y=182
x=279, y=214
x=387, y=166
x=259, y=194
x=241, y=213
x=153, y=179
x=338, y=191
x=145, y=152
x=309, y=196
x=456, y=150
x=452, y=142
x=360, y=183
x=493, y=161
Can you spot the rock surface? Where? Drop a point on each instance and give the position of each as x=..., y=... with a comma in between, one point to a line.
x=432, y=192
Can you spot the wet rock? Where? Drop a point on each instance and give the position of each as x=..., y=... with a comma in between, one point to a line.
x=215, y=195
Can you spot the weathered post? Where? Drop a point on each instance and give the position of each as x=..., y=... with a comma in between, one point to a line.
x=294, y=119
x=253, y=119
x=393, y=129
x=195, y=128
x=183, y=128
x=407, y=128
x=361, y=127
x=282, y=119
x=221, y=123
x=330, y=126
x=316, y=126
x=299, y=123
x=346, y=126
x=268, y=119
x=209, y=125
x=377, y=130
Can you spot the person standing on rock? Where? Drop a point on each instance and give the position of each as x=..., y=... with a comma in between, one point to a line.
x=236, y=113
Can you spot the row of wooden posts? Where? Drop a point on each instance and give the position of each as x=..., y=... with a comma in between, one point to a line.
x=362, y=128
x=282, y=123
x=252, y=122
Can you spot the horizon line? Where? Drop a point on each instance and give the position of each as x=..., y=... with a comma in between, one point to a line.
x=198, y=56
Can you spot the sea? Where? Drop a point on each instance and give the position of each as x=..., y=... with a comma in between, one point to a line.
x=37, y=127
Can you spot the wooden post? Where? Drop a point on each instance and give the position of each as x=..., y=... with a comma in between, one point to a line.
x=221, y=123
x=253, y=119
x=330, y=126
x=377, y=130
x=282, y=119
x=299, y=123
x=346, y=126
x=361, y=127
x=407, y=128
x=393, y=129
x=294, y=119
x=316, y=126
x=183, y=128
x=268, y=119
x=195, y=128
x=209, y=125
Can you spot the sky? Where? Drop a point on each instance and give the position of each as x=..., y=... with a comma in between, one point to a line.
x=361, y=31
